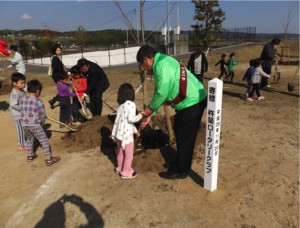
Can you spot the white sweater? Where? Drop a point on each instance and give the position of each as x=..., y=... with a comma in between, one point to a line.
x=124, y=128
x=17, y=61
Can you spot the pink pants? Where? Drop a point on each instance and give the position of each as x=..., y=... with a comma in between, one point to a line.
x=125, y=158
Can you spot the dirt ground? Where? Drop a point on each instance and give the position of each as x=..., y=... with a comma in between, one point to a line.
x=258, y=180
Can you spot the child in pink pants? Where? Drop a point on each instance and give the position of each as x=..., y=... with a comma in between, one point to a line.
x=124, y=130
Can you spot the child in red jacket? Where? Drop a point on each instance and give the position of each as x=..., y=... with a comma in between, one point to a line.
x=80, y=84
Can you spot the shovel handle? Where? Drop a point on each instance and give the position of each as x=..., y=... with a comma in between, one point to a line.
x=85, y=112
x=78, y=97
x=80, y=102
x=56, y=121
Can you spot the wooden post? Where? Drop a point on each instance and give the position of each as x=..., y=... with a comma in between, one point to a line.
x=213, y=131
x=169, y=125
x=144, y=84
x=288, y=53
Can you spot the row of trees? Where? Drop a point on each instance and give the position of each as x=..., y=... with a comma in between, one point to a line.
x=38, y=43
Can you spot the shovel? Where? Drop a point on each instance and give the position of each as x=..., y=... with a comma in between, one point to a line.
x=66, y=125
x=114, y=110
x=291, y=85
x=277, y=74
x=85, y=112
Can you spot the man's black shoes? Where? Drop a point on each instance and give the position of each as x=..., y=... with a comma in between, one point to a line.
x=173, y=174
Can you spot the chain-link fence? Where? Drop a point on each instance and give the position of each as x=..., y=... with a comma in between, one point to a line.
x=235, y=36
x=178, y=44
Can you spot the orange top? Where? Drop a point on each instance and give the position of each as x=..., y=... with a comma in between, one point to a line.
x=80, y=84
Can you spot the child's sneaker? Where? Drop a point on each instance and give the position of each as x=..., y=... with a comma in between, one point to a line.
x=116, y=171
x=52, y=160
x=76, y=124
x=260, y=98
x=22, y=148
x=249, y=99
x=133, y=175
x=31, y=158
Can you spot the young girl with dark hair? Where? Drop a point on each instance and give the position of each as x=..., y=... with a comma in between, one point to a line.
x=63, y=87
x=80, y=84
x=256, y=75
x=124, y=129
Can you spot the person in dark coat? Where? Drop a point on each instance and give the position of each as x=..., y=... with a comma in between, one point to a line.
x=267, y=56
x=198, y=64
x=97, y=83
x=58, y=70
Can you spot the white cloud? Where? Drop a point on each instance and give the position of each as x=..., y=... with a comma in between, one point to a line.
x=26, y=16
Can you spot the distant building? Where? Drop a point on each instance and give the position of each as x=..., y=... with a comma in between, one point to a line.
x=173, y=43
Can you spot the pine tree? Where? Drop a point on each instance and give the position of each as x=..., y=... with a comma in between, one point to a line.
x=208, y=19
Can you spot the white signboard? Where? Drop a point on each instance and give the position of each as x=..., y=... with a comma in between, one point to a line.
x=213, y=130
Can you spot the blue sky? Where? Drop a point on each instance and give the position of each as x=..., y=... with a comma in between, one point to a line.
x=266, y=16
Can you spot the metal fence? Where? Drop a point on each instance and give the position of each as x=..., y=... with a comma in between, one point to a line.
x=178, y=44
x=235, y=36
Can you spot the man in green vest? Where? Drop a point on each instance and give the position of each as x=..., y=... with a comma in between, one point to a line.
x=178, y=87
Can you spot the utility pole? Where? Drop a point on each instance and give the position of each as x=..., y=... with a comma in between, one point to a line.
x=166, y=107
x=143, y=72
x=127, y=37
x=142, y=2
x=167, y=49
x=177, y=13
x=137, y=27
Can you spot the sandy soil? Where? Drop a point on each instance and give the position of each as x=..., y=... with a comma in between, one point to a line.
x=258, y=181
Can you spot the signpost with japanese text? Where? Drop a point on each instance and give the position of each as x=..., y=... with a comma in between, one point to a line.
x=213, y=130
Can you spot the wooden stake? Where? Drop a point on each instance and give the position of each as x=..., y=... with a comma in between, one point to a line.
x=169, y=125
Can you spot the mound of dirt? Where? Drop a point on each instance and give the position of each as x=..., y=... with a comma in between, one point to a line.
x=91, y=134
x=6, y=87
x=97, y=131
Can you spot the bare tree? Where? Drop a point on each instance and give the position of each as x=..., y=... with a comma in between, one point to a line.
x=80, y=38
x=126, y=20
x=286, y=21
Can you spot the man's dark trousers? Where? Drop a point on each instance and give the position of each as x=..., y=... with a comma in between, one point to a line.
x=186, y=125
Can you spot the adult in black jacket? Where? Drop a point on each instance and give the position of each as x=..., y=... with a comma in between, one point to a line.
x=198, y=63
x=267, y=56
x=58, y=69
x=97, y=83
